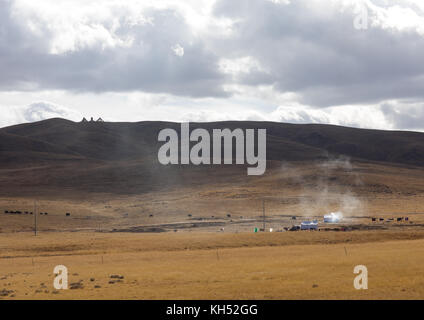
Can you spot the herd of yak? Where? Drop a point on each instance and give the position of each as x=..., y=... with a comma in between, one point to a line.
x=29, y=212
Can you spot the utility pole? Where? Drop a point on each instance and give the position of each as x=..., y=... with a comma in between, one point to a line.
x=263, y=212
x=35, y=217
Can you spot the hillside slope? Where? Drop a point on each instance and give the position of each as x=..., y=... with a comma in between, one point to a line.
x=122, y=157
x=138, y=140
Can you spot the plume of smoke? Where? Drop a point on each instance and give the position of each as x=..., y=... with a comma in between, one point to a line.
x=328, y=188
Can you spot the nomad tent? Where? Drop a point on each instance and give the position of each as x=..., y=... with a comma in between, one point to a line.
x=309, y=225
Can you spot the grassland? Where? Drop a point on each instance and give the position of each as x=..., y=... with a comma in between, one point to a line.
x=300, y=265
x=204, y=246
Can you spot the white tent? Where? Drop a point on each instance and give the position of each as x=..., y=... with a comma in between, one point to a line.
x=309, y=225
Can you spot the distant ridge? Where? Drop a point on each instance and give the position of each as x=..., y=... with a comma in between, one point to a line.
x=118, y=141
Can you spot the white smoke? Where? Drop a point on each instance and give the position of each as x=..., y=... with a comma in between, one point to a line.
x=328, y=188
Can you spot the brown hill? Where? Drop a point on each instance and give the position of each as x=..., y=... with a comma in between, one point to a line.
x=122, y=157
x=124, y=141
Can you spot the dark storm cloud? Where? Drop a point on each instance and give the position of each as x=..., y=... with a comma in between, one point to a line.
x=316, y=52
x=307, y=47
x=148, y=64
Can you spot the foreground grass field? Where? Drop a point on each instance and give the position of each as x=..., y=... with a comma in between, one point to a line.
x=299, y=265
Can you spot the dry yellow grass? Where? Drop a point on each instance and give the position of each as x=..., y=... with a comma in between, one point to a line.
x=202, y=263
x=215, y=266
x=306, y=190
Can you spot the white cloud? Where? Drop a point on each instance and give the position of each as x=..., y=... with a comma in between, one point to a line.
x=44, y=110
x=178, y=50
x=351, y=116
x=36, y=111
x=71, y=26
x=397, y=17
x=240, y=65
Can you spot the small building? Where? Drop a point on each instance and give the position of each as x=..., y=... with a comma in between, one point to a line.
x=92, y=120
x=309, y=225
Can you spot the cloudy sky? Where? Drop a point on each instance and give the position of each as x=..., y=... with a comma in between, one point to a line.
x=347, y=62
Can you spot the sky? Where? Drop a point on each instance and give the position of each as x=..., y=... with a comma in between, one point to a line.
x=345, y=62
